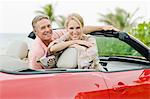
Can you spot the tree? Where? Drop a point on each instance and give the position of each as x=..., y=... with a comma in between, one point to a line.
x=142, y=32
x=121, y=19
x=48, y=10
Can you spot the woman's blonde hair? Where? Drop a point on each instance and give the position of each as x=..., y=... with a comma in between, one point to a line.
x=76, y=17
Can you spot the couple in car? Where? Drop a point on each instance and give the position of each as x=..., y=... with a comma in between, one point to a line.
x=51, y=47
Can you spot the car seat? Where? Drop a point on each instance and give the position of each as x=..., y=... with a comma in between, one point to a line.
x=15, y=58
x=17, y=49
x=68, y=59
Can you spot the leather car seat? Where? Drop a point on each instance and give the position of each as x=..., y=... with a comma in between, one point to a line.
x=15, y=58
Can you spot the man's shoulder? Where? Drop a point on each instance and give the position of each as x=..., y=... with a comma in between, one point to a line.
x=58, y=33
x=59, y=30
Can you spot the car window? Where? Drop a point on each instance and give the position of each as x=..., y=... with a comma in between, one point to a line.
x=119, y=56
x=109, y=46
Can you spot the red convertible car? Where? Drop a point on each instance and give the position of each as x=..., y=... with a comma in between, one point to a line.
x=126, y=74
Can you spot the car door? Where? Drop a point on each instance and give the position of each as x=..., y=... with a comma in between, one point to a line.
x=126, y=77
x=77, y=85
x=133, y=84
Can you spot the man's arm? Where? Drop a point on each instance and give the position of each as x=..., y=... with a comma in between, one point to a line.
x=33, y=64
x=33, y=56
x=88, y=29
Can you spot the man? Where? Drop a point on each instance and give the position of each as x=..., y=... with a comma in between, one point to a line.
x=44, y=36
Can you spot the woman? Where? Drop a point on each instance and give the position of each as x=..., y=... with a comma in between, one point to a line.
x=75, y=38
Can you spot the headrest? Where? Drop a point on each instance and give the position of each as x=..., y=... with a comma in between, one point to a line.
x=32, y=35
x=18, y=49
x=68, y=59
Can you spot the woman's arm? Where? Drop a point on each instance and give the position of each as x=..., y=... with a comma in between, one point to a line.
x=88, y=29
x=84, y=43
x=60, y=46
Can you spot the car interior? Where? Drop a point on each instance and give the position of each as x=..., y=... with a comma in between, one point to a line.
x=15, y=59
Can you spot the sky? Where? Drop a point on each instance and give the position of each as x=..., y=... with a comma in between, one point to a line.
x=16, y=15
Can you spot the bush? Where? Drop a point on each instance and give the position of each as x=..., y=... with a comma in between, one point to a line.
x=142, y=32
x=114, y=47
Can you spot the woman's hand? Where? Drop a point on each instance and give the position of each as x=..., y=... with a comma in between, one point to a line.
x=110, y=28
x=77, y=46
x=83, y=43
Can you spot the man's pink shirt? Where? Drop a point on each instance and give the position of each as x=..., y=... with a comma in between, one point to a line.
x=39, y=49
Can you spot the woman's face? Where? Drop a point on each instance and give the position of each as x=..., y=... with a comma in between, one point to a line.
x=74, y=29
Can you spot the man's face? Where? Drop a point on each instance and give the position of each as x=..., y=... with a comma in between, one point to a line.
x=44, y=30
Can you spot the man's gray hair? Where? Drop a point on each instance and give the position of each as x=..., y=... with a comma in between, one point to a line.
x=38, y=18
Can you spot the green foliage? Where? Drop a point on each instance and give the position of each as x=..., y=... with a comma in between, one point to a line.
x=114, y=47
x=48, y=10
x=142, y=32
x=121, y=19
